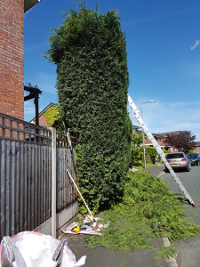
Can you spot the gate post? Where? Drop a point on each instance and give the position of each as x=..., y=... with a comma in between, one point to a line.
x=53, y=219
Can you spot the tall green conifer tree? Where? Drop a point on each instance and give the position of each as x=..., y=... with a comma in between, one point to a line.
x=89, y=49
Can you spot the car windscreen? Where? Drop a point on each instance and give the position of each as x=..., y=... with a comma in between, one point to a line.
x=175, y=156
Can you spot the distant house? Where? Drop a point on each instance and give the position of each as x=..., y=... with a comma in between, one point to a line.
x=161, y=139
x=12, y=56
x=136, y=129
x=47, y=115
x=197, y=146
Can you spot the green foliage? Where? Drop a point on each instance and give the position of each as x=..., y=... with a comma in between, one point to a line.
x=151, y=151
x=151, y=154
x=54, y=119
x=50, y=115
x=148, y=210
x=148, y=159
x=136, y=139
x=89, y=50
x=137, y=156
x=137, y=151
x=166, y=252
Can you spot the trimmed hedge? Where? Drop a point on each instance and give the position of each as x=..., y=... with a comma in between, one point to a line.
x=89, y=49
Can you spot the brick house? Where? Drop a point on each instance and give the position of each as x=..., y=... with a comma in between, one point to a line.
x=12, y=56
x=136, y=129
x=197, y=147
x=42, y=117
x=161, y=139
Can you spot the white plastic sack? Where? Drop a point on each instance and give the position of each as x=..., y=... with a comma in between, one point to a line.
x=32, y=249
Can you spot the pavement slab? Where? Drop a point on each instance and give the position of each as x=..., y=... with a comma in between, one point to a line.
x=188, y=252
x=103, y=257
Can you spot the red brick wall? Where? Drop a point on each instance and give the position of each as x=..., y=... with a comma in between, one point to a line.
x=12, y=58
x=42, y=121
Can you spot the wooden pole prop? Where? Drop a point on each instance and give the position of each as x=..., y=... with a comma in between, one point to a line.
x=80, y=193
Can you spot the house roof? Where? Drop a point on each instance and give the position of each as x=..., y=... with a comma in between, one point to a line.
x=135, y=127
x=29, y=4
x=197, y=143
x=164, y=135
x=41, y=112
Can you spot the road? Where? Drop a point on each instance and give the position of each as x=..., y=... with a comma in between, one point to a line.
x=191, y=182
x=188, y=252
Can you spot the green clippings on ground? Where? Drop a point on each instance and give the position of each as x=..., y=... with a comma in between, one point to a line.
x=149, y=210
x=125, y=232
x=79, y=219
x=165, y=253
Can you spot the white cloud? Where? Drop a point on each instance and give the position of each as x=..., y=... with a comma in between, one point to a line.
x=171, y=116
x=195, y=45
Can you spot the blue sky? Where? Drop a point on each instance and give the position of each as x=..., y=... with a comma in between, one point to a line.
x=163, y=47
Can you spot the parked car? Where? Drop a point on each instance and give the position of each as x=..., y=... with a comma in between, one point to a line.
x=194, y=158
x=178, y=160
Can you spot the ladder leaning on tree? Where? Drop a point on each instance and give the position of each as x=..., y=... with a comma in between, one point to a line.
x=158, y=148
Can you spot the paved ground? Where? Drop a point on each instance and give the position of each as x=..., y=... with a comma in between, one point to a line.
x=188, y=252
x=102, y=257
x=156, y=171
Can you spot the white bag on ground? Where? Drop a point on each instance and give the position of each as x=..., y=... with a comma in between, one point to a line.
x=32, y=249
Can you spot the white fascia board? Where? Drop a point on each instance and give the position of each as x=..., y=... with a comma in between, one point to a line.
x=28, y=4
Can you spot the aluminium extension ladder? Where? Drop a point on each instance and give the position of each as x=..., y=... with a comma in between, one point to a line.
x=158, y=148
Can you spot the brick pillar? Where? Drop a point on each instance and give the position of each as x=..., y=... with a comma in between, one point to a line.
x=12, y=58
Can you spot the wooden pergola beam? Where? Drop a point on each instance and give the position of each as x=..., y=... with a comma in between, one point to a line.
x=34, y=93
